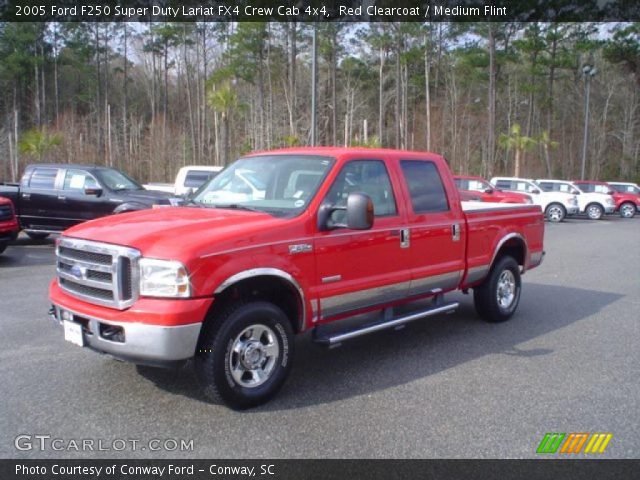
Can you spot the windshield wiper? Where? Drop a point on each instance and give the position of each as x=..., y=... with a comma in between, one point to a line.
x=237, y=206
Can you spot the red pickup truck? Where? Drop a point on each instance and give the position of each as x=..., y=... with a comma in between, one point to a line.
x=478, y=187
x=8, y=223
x=322, y=235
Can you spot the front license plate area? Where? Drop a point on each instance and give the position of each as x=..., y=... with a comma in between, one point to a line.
x=73, y=333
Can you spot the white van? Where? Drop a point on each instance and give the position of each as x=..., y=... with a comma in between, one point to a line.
x=594, y=204
x=555, y=205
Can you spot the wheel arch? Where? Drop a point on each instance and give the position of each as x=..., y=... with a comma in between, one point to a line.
x=513, y=244
x=272, y=284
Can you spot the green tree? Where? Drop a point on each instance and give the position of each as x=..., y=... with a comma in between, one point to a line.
x=514, y=140
x=38, y=143
x=223, y=100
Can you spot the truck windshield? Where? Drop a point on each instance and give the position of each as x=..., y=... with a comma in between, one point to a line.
x=116, y=180
x=282, y=185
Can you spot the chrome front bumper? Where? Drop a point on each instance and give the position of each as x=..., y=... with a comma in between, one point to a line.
x=135, y=342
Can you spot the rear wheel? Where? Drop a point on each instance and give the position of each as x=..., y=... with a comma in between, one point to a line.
x=555, y=212
x=594, y=211
x=245, y=354
x=627, y=210
x=497, y=298
x=37, y=235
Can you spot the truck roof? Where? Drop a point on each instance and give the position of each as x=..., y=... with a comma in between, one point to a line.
x=340, y=151
x=70, y=165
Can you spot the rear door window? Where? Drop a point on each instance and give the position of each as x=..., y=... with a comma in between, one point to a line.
x=43, y=178
x=425, y=186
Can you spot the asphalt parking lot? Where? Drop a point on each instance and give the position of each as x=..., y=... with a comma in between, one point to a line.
x=449, y=386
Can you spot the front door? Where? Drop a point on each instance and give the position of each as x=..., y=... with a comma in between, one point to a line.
x=360, y=269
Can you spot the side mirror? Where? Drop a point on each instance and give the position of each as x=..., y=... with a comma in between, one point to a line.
x=93, y=191
x=575, y=192
x=535, y=192
x=359, y=212
x=488, y=190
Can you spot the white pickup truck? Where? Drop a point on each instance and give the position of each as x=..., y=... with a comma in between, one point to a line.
x=555, y=205
x=593, y=204
x=188, y=180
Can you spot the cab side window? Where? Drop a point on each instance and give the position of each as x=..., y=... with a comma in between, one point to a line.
x=425, y=186
x=366, y=176
x=78, y=180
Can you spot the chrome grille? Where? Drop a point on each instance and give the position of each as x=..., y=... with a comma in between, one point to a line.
x=98, y=273
x=5, y=212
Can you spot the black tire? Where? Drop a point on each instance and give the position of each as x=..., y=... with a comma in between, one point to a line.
x=555, y=212
x=37, y=235
x=485, y=296
x=594, y=211
x=627, y=210
x=216, y=357
x=3, y=246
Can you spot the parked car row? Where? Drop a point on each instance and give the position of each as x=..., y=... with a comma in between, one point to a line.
x=557, y=198
x=8, y=223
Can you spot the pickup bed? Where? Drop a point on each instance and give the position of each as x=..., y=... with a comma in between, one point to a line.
x=335, y=233
x=8, y=223
x=52, y=197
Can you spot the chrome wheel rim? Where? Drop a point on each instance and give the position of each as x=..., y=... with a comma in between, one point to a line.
x=506, y=292
x=555, y=214
x=594, y=212
x=627, y=211
x=253, y=356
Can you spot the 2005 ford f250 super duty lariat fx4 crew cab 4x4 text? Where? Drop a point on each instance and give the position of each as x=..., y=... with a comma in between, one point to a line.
x=324, y=235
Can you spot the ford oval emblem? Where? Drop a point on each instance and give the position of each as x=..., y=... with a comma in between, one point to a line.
x=78, y=272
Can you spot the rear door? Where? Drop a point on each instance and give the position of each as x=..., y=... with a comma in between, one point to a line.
x=363, y=268
x=40, y=208
x=437, y=244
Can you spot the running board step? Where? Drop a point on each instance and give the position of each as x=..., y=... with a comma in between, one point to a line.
x=334, y=339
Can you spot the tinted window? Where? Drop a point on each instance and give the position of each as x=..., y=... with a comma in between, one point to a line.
x=196, y=178
x=366, y=176
x=78, y=180
x=425, y=186
x=503, y=184
x=43, y=178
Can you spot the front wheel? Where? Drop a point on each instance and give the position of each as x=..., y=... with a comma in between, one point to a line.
x=497, y=298
x=555, y=213
x=627, y=210
x=594, y=211
x=245, y=354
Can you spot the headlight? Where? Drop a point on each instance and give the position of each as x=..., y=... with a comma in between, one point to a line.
x=163, y=278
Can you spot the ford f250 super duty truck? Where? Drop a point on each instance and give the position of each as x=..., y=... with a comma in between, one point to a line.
x=52, y=197
x=334, y=233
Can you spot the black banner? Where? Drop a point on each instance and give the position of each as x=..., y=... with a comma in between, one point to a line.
x=320, y=10
x=543, y=469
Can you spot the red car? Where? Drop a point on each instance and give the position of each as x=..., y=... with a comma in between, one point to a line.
x=8, y=223
x=477, y=188
x=331, y=233
x=626, y=203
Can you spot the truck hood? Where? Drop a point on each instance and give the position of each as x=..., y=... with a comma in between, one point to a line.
x=145, y=196
x=179, y=233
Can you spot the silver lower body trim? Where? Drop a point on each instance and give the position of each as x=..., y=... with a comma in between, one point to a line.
x=475, y=274
x=352, y=302
x=142, y=342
